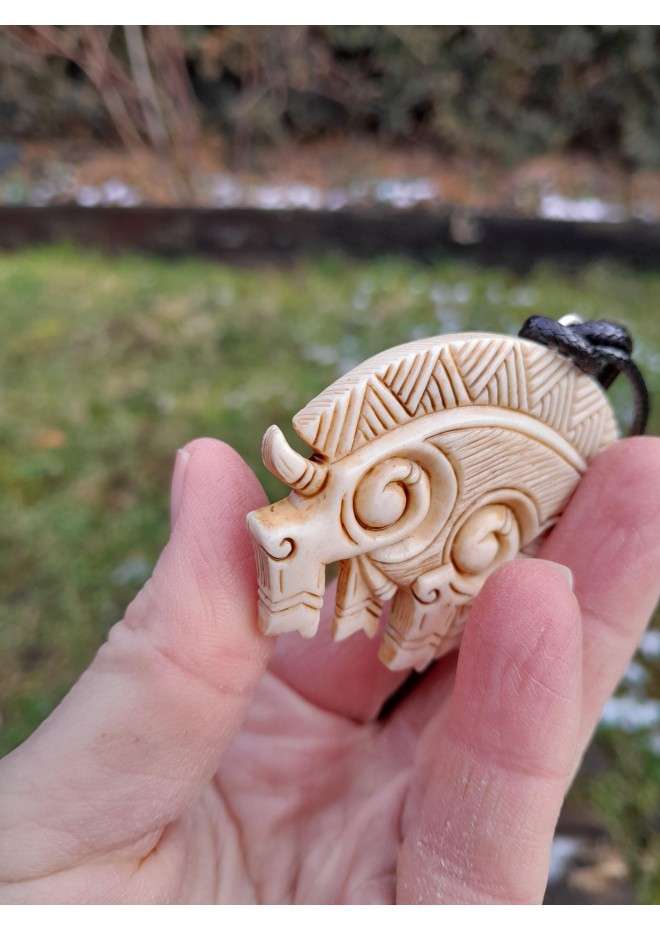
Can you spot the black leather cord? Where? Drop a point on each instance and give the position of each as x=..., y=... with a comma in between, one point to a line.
x=601, y=349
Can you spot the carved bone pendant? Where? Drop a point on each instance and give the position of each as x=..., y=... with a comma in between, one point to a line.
x=433, y=463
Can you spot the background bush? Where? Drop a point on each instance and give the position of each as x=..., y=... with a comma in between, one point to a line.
x=501, y=93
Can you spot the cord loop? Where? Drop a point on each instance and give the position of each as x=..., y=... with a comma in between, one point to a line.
x=599, y=348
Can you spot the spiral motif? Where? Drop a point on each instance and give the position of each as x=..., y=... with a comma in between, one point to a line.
x=392, y=490
x=486, y=539
x=490, y=534
x=401, y=503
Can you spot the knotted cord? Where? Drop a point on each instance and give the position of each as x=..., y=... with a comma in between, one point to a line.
x=600, y=349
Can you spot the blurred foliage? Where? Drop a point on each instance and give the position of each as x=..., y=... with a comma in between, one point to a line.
x=626, y=794
x=498, y=92
x=139, y=74
x=108, y=366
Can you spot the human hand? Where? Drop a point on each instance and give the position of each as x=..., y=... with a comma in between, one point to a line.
x=184, y=768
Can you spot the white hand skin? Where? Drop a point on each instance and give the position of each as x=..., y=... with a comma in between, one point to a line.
x=186, y=767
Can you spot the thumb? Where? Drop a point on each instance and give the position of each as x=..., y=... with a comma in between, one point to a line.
x=144, y=728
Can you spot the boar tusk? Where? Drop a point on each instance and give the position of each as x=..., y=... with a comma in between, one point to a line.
x=300, y=474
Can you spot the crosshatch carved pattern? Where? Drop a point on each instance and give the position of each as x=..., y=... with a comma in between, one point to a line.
x=437, y=374
x=433, y=463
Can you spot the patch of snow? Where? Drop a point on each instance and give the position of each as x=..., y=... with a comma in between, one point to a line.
x=361, y=300
x=461, y=293
x=406, y=192
x=336, y=199
x=117, y=194
x=235, y=400
x=112, y=193
x=323, y=355
x=635, y=675
x=652, y=361
x=88, y=196
x=419, y=332
x=132, y=570
x=226, y=192
x=590, y=210
x=440, y=294
x=630, y=714
x=650, y=644
x=357, y=192
x=449, y=320
x=402, y=193
x=564, y=851
x=305, y=197
x=347, y=362
x=267, y=197
x=42, y=193
x=523, y=297
x=494, y=293
x=284, y=196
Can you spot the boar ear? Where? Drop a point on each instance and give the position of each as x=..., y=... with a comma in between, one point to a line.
x=300, y=474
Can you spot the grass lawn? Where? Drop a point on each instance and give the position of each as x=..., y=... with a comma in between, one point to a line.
x=109, y=365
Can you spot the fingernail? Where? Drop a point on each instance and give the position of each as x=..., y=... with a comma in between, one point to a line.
x=563, y=570
x=178, y=480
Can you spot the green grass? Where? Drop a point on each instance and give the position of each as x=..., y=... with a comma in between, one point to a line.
x=107, y=366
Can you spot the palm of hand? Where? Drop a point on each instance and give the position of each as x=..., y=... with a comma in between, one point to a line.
x=177, y=770
x=319, y=801
x=306, y=807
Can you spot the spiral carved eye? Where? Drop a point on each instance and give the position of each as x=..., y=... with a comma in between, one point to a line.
x=400, y=504
x=392, y=490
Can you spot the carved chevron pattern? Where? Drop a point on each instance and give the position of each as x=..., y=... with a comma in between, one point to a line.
x=437, y=374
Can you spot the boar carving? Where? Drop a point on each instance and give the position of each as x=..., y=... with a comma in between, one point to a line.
x=433, y=463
